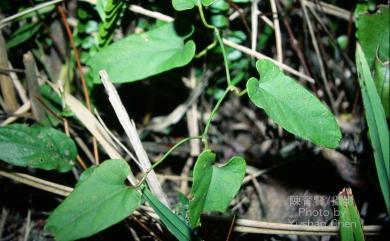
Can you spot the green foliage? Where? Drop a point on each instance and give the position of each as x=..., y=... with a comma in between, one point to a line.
x=37, y=147
x=377, y=125
x=382, y=83
x=101, y=200
x=174, y=224
x=219, y=16
x=181, y=5
x=373, y=34
x=22, y=34
x=113, y=10
x=349, y=220
x=293, y=107
x=214, y=186
x=142, y=55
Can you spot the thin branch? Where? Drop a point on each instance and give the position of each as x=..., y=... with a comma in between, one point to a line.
x=262, y=56
x=152, y=14
x=38, y=183
x=10, y=19
x=21, y=110
x=8, y=70
x=318, y=54
x=330, y=9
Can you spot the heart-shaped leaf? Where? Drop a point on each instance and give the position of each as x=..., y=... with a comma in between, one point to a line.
x=37, y=147
x=181, y=5
x=214, y=186
x=293, y=107
x=101, y=200
x=139, y=56
x=207, y=2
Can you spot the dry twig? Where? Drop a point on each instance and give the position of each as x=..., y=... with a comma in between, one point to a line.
x=131, y=132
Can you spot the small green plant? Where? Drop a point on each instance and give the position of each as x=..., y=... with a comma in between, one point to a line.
x=285, y=101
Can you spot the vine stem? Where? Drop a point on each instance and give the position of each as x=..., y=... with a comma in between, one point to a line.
x=218, y=35
x=165, y=156
x=213, y=112
x=230, y=87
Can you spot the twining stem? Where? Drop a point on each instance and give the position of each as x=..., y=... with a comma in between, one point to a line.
x=165, y=156
x=218, y=35
x=204, y=51
x=230, y=87
x=213, y=112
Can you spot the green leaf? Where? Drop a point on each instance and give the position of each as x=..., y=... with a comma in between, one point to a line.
x=98, y=202
x=382, y=83
x=349, y=220
x=37, y=147
x=24, y=33
x=207, y=2
x=220, y=6
x=219, y=21
x=346, y=231
x=87, y=173
x=142, y=55
x=112, y=12
x=174, y=224
x=292, y=106
x=213, y=186
x=377, y=125
x=181, y=5
x=373, y=34
x=100, y=7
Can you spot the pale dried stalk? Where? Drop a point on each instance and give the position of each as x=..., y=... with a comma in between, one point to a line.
x=114, y=138
x=6, y=85
x=21, y=110
x=33, y=86
x=38, y=183
x=278, y=35
x=330, y=9
x=254, y=24
x=18, y=85
x=265, y=19
x=262, y=56
x=156, y=15
x=92, y=125
x=132, y=134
